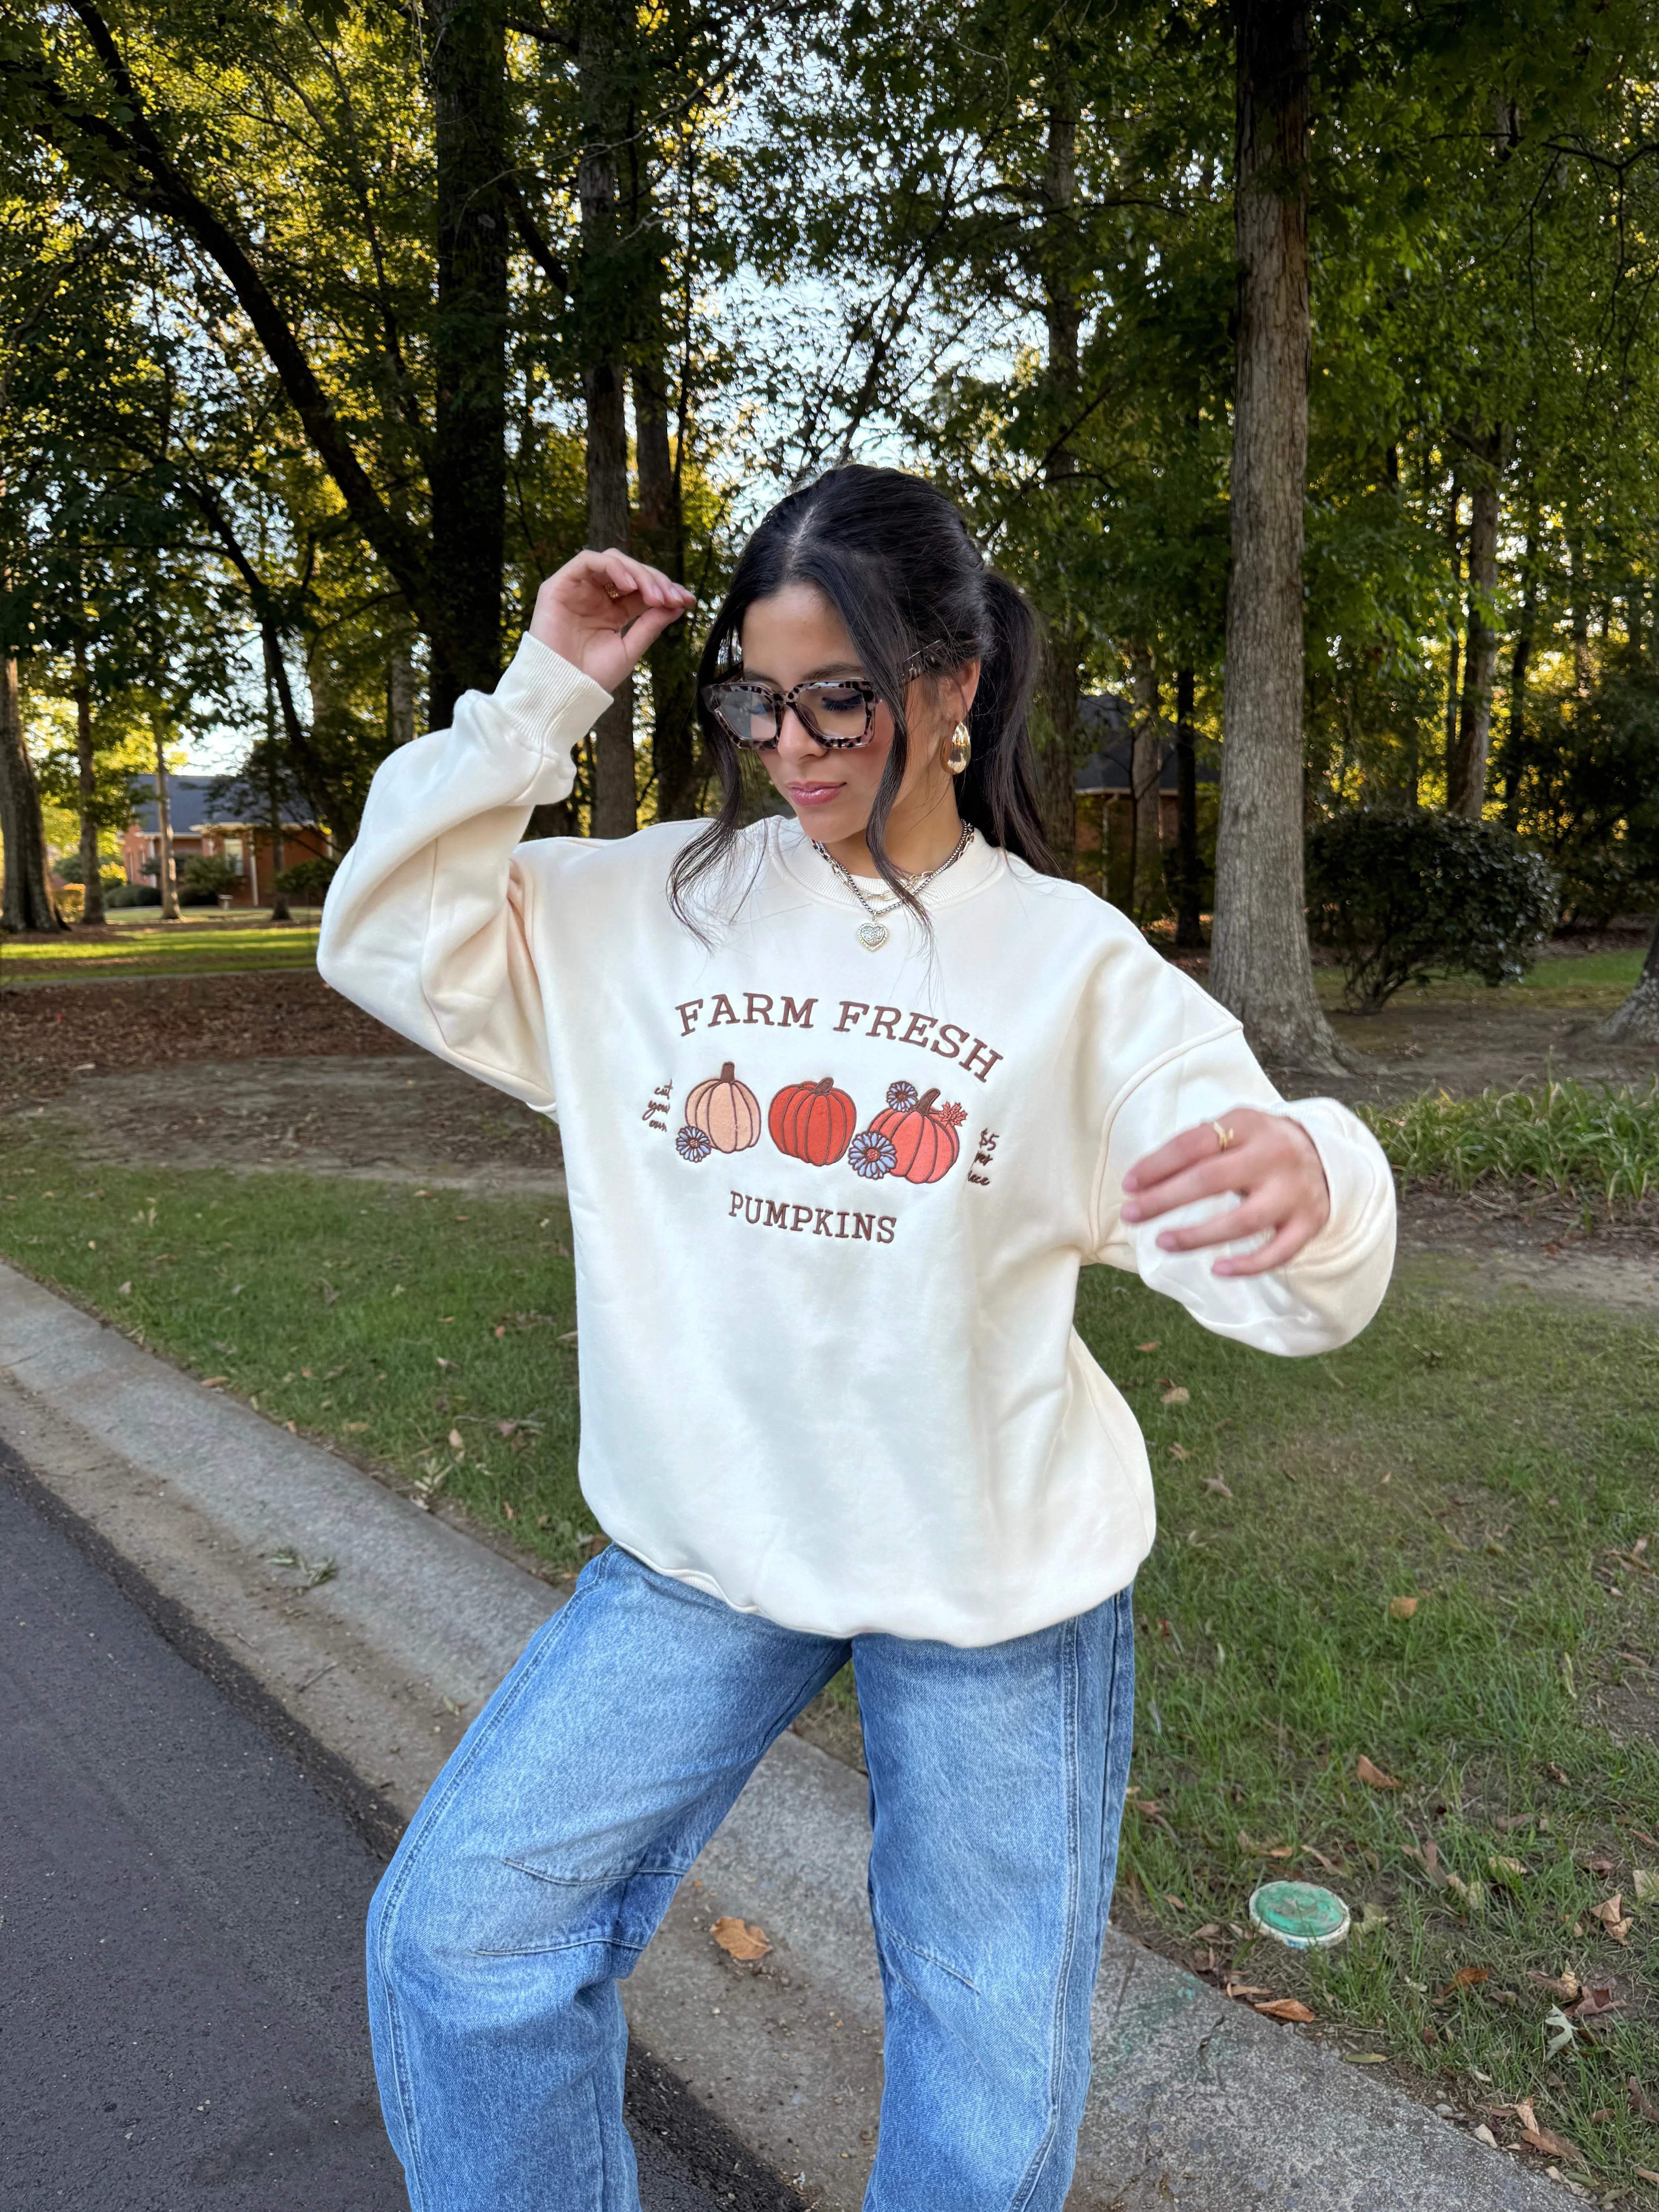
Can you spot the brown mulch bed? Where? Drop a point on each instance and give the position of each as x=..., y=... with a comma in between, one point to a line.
x=51, y=1032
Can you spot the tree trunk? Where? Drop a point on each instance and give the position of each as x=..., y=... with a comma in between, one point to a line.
x=400, y=684
x=1582, y=673
x=469, y=345
x=86, y=762
x=279, y=906
x=1189, y=923
x=1454, y=643
x=1261, y=966
x=1058, y=753
x=1466, y=766
x=1146, y=774
x=168, y=888
x=603, y=305
x=28, y=903
x=1637, y=1022
x=1520, y=662
x=672, y=660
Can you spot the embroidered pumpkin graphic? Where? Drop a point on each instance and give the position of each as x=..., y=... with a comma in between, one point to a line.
x=923, y=1138
x=726, y=1111
x=813, y=1121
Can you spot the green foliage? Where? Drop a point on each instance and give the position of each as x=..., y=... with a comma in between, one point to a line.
x=124, y=894
x=204, y=876
x=308, y=879
x=1598, y=1141
x=1584, y=777
x=1400, y=896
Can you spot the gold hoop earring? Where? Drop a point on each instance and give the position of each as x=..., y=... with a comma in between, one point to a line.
x=961, y=749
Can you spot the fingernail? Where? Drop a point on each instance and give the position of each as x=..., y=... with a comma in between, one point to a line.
x=1166, y=1242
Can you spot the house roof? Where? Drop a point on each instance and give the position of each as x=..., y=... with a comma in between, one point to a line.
x=1109, y=720
x=190, y=800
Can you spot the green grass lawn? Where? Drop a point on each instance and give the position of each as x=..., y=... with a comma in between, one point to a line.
x=1492, y=1458
x=150, y=948
x=1598, y=982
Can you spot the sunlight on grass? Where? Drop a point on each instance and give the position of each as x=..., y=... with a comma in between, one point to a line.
x=172, y=949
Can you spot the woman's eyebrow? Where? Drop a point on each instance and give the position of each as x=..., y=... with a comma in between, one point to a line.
x=812, y=676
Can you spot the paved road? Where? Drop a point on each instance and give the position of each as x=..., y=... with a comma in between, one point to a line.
x=181, y=2008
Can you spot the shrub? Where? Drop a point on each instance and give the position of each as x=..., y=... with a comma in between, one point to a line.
x=1575, y=1138
x=69, y=869
x=308, y=879
x=1402, y=897
x=204, y=877
x=132, y=895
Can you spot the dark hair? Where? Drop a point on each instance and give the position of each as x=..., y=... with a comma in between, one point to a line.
x=894, y=559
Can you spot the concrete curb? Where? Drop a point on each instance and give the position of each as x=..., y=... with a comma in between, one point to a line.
x=1196, y=2101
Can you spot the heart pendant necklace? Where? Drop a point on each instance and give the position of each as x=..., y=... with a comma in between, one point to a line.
x=873, y=932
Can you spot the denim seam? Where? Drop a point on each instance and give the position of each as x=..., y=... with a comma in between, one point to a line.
x=1041, y=2155
x=400, y=2065
x=576, y=1943
x=602, y=1881
x=891, y=1934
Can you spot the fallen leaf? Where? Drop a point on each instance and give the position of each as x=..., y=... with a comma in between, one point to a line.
x=1177, y=1396
x=1428, y=1852
x=1284, y=2009
x=1599, y=1863
x=506, y=1428
x=212, y=1382
x=1180, y=1451
x=1431, y=2034
x=1467, y=1977
x=1272, y=1849
x=1472, y=1893
x=1152, y=1346
x=1403, y=1608
x=1373, y=1777
x=1365, y=2058
x=353, y=1428
x=442, y=1362
x=1207, y=1933
x=1646, y=1885
x=739, y=1940
x=123, y=1291
x=1245, y=1989
x=1644, y=2173
x=1373, y=1915
x=1596, y=2002
x=1611, y=1915
x=1499, y=1865
x=1639, y=2099
x=1484, y=2134
x=1559, y=2033
x=457, y=1440
x=1566, y=1985
x=1545, y=2141
x=1179, y=1902
x=1214, y=1482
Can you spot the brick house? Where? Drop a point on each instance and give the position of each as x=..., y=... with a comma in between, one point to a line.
x=198, y=829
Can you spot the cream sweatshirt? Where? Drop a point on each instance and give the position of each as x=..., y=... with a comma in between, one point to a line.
x=829, y=1204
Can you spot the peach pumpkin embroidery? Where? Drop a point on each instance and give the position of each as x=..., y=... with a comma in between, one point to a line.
x=723, y=1110
x=813, y=1121
x=920, y=1137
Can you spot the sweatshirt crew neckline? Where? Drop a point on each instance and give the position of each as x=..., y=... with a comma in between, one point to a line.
x=982, y=864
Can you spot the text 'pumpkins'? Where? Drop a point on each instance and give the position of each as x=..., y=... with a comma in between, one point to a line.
x=813, y=1121
x=726, y=1111
x=923, y=1135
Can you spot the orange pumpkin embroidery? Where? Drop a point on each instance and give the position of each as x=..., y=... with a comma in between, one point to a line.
x=923, y=1137
x=813, y=1121
x=727, y=1111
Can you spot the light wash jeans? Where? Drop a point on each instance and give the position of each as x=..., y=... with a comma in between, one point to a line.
x=549, y=1849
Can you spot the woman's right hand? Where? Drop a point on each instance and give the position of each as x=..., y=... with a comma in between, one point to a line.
x=601, y=610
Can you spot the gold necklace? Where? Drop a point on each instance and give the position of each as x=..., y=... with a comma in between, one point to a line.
x=873, y=932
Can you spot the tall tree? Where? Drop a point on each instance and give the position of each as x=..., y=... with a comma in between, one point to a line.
x=1261, y=966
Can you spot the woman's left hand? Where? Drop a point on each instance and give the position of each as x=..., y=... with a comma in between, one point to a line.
x=1269, y=1160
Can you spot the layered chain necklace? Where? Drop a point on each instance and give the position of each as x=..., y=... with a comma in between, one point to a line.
x=873, y=932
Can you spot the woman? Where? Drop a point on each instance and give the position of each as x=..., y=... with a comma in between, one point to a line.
x=847, y=1098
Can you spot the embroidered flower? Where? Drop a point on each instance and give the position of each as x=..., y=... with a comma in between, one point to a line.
x=953, y=1116
x=692, y=1143
x=872, y=1155
x=900, y=1096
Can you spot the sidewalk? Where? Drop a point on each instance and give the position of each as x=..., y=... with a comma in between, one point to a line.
x=1196, y=2101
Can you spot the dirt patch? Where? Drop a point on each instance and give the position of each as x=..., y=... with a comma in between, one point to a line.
x=1503, y=1240
x=1490, y=1039
x=402, y=1118
x=51, y=1033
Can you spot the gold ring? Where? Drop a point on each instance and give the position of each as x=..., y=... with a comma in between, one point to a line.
x=1224, y=1137
x=611, y=592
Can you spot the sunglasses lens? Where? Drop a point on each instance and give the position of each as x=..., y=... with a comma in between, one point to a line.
x=835, y=711
x=746, y=711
